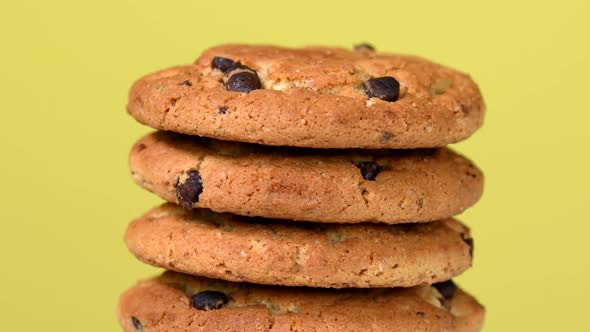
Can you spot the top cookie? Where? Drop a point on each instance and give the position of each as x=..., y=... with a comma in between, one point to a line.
x=311, y=97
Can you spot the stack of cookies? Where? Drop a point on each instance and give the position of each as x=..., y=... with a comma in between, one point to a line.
x=308, y=190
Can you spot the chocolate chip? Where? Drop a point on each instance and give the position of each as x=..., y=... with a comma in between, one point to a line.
x=364, y=46
x=386, y=137
x=420, y=314
x=369, y=169
x=446, y=288
x=469, y=242
x=136, y=323
x=188, y=191
x=223, y=64
x=244, y=81
x=222, y=110
x=209, y=300
x=141, y=147
x=187, y=83
x=385, y=88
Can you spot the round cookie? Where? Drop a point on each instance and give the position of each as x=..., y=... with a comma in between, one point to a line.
x=388, y=186
x=311, y=97
x=175, y=302
x=274, y=252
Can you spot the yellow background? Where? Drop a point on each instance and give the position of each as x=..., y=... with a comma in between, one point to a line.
x=66, y=66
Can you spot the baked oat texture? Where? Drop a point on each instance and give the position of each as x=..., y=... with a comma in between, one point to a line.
x=312, y=97
x=164, y=304
x=307, y=184
x=274, y=252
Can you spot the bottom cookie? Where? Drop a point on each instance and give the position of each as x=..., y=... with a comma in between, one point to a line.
x=177, y=302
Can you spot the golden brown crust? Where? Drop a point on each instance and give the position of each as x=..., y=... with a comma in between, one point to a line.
x=273, y=252
x=312, y=97
x=302, y=184
x=163, y=304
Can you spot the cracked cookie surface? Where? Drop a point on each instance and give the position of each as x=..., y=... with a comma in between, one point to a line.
x=311, y=97
x=164, y=304
x=386, y=186
x=278, y=252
